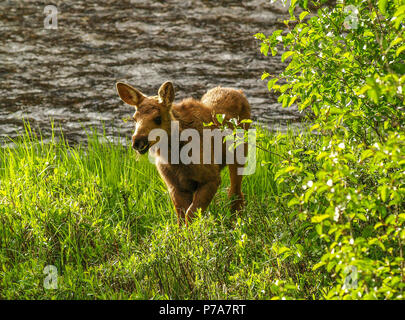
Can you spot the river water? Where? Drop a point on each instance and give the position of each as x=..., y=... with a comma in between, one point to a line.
x=68, y=74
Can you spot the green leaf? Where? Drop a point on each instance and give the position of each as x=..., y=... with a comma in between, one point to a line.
x=373, y=95
x=303, y=15
x=366, y=154
x=292, y=202
x=285, y=101
x=292, y=7
x=271, y=83
x=382, y=5
x=379, y=224
x=208, y=124
x=283, y=249
x=318, y=265
x=363, y=89
x=399, y=11
x=284, y=87
x=320, y=218
x=396, y=41
x=399, y=50
x=383, y=192
x=398, y=20
x=368, y=33
x=220, y=117
x=260, y=36
x=292, y=101
x=290, y=168
x=286, y=54
x=265, y=75
x=264, y=48
x=246, y=121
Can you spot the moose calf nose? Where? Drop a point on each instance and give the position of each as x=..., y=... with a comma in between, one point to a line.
x=139, y=143
x=135, y=144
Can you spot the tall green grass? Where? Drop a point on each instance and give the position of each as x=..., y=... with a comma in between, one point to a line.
x=104, y=218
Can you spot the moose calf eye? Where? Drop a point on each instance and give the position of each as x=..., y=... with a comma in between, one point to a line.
x=158, y=120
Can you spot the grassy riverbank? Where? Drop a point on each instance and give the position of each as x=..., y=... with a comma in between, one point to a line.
x=105, y=220
x=102, y=216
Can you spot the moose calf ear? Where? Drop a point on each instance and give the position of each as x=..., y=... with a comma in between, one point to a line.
x=166, y=93
x=129, y=94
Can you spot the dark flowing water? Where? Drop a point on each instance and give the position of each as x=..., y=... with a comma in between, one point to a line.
x=69, y=74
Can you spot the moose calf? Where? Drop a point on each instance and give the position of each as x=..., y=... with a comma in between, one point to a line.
x=191, y=186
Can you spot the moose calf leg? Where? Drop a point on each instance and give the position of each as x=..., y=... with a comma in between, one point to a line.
x=181, y=201
x=202, y=198
x=235, y=190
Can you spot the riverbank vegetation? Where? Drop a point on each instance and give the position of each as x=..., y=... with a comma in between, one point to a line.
x=346, y=65
x=325, y=212
x=104, y=219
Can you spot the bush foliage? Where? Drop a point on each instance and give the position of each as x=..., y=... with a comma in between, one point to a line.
x=346, y=69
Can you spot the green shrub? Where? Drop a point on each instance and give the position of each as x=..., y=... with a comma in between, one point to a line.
x=346, y=68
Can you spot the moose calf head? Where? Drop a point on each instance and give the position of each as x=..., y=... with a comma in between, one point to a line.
x=151, y=112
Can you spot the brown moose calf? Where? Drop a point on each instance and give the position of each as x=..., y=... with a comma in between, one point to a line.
x=193, y=185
